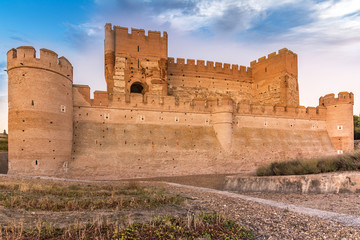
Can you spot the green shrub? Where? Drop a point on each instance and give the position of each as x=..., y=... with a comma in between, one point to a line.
x=4, y=147
x=349, y=162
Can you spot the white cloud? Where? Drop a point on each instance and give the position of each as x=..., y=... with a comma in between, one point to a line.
x=90, y=29
x=334, y=23
x=342, y=8
x=207, y=12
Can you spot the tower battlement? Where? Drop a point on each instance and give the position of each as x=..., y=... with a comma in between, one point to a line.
x=136, y=43
x=136, y=33
x=25, y=56
x=273, y=55
x=343, y=98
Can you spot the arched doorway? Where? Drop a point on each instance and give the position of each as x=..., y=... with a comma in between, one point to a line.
x=136, y=88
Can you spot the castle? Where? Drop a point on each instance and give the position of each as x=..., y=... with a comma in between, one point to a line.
x=161, y=117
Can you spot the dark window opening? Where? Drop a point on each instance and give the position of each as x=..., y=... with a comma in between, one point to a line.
x=136, y=88
x=138, y=48
x=32, y=102
x=36, y=162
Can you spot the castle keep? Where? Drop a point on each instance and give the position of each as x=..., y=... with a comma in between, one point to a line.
x=164, y=117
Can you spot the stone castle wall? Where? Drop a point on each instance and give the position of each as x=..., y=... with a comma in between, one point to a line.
x=161, y=117
x=161, y=137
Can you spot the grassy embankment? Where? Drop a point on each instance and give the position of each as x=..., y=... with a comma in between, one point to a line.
x=33, y=196
x=346, y=162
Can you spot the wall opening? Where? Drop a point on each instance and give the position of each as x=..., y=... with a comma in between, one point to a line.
x=137, y=88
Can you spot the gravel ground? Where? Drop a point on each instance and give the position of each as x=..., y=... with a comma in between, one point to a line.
x=269, y=222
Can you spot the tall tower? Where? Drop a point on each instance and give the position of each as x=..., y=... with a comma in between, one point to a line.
x=134, y=62
x=339, y=120
x=275, y=79
x=40, y=112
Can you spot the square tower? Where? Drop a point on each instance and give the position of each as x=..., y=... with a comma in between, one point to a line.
x=135, y=62
x=275, y=79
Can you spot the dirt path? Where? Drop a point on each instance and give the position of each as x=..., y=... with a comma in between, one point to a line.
x=346, y=203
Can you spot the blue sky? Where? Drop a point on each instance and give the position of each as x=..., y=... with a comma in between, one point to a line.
x=324, y=33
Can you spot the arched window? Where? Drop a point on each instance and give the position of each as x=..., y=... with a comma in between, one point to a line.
x=136, y=88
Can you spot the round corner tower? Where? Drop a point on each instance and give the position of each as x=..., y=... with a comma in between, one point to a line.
x=339, y=120
x=40, y=112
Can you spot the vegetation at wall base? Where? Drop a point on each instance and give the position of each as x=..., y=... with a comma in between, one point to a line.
x=346, y=162
x=356, y=127
x=4, y=148
x=3, y=142
x=201, y=226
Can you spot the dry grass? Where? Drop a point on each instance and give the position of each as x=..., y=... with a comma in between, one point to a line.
x=202, y=226
x=348, y=162
x=57, y=197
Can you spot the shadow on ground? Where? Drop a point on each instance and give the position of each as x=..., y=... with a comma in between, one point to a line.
x=214, y=181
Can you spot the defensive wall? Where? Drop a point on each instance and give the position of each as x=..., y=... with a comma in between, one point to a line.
x=159, y=117
x=161, y=136
x=208, y=81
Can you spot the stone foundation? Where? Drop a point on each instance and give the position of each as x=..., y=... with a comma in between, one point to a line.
x=314, y=183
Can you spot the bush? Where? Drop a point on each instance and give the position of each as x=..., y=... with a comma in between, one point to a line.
x=356, y=127
x=349, y=162
x=4, y=148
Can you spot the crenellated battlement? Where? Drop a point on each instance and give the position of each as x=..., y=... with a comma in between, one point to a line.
x=343, y=98
x=25, y=56
x=273, y=55
x=136, y=33
x=200, y=66
x=318, y=113
x=197, y=105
